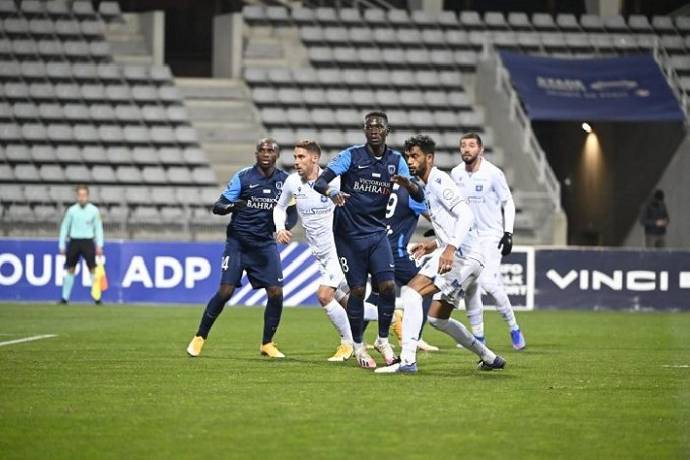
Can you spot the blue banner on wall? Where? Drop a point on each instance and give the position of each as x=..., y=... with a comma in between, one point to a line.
x=626, y=88
x=146, y=271
x=612, y=278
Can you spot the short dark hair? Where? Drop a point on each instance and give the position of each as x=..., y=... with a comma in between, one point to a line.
x=425, y=144
x=309, y=145
x=377, y=113
x=659, y=195
x=267, y=140
x=474, y=136
x=81, y=187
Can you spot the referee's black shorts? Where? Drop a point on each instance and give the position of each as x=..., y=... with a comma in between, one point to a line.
x=76, y=248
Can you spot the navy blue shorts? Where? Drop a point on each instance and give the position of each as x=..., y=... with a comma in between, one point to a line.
x=360, y=257
x=261, y=263
x=405, y=270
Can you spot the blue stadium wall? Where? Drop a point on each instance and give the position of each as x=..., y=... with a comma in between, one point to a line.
x=165, y=272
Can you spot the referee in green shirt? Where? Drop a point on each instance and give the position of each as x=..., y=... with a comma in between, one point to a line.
x=83, y=227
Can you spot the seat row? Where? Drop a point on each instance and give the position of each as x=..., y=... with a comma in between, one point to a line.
x=80, y=9
x=96, y=154
x=493, y=20
x=84, y=71
x=71, y=50
x=109, y=194
x=105, y=174
x=61, y=133
x=307, y=77
x=99, y=113
x=47, y=91
x=343, y=97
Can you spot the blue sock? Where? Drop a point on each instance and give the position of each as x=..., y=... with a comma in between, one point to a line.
x=355, y=313
x=67, y=283
x=426, y=304
x=213, y=309
x=386, y=306
x=272, y=313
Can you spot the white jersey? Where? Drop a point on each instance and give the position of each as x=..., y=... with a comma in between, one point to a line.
x=487, y=193
x=450, y=215
x=314, y=210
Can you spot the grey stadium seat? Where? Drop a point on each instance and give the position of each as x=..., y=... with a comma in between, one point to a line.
x=543, y=21
x=119, y=155
x=495, y=20
x=34, y=132
x=179, y=175
x=137, y=134
x=111, y=134
x=102, y=112
x=177, y=114
x=170, y=156
x=26, y=173
x=162, y=135
x=67, y=28
x=76, y=112
x=154, y=114
x=128, y=113
x=194, y=156
x=12, y=193
x=145, y=155
x=94, y=154
x=203, y=175
x=51, y=173
x=10, y=132
x=138, y=195
x=109, y=10
x=173, y=215
x=128, y=174
x=79, y=174
x=85, y=134
x=24, y=111
x=43, y=154
x=6, y=172
x=154, y=175
x=50, y=49
x=187, y=195
x=35, y=193
x=68, y=154
x=110, y=194
x=17, y=152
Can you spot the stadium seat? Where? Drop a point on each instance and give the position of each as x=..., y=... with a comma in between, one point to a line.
x=154, y=175
x=51, y=173
x=94, y=154
x=145, y=156
x=17, y=153
x=68, y=154
x=495, y=20
x=80, y=174
x=103, y=174
x=109, y=10
x=12, y=193
x=118, y=155
x=112, y=195
x=43, y=154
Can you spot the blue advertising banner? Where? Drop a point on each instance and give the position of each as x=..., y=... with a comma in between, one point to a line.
x=612, y=278
x=625, y=88
x=146, y=271
x=517, y=274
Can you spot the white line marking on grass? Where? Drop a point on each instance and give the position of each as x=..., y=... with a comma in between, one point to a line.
x=27, y=339
x=676, y=366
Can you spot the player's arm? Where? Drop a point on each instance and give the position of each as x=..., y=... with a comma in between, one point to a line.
x=451, y=199
x=64, y=230
x=99, y=233
x=280, y=214
x=404, y=179
x=337, y=166
x=229, y=200
x=508, y=205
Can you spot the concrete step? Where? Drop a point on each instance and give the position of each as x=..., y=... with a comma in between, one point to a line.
x=130, y=48
x=214, y=89
x=226, y=110
x=224, y=153
x=133, y=60
x=219, y=132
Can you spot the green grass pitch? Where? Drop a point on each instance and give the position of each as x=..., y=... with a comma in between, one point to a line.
x=116, y=383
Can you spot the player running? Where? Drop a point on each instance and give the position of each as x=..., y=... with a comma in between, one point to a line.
x=402, y=215
x=454, y=265
x=250, y=196
x=366, y=173
x=316, y=213
x=492, y=204
x=83, y=226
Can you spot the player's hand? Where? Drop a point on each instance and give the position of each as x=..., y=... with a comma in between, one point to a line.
x=238, y=204
x=661, y=222
x=506, y=244
x=445, y=262
x=99, y=251
x=283, y=236
x=338, y=197
x=401, y=180
x=419, y=250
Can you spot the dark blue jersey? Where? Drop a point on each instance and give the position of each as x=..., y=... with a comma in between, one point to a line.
x=368, y=181
x=402, y=215
x=253, y=224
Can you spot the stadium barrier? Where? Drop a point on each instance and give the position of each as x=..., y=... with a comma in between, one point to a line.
x=165, y=272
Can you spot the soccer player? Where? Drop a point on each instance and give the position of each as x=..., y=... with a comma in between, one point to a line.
x=366, y=173
x=492, y=204
x=83, y=226
x=454, y=265
x=316, y=213
x=250, y=196
x=402, y=215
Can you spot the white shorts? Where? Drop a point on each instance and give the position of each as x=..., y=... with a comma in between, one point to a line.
x=492, y=262
x=331, y=273
x=452, y=285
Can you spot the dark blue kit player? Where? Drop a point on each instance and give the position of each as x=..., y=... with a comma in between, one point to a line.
x=250, y=246
x=359, y=225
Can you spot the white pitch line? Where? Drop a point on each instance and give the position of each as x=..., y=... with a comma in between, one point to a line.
x=676, y=366
x=27, y=339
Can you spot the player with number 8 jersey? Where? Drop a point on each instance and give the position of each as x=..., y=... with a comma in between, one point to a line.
x=250, y=196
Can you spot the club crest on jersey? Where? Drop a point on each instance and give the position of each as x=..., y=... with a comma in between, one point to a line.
x=279, y=185
x=478, y=188
x=324, y=198
x=438, y=180
x=391, y=169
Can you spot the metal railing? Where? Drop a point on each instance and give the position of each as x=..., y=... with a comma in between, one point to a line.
x=530, y=144
x=663, y=58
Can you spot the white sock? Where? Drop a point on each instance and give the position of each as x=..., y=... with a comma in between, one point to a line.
x=359, y=347
x=381, y=340
x=475, y=309
x=503, y=306
x=338, y=316
x=371, y=312
x=412, y=323
x=461, y=335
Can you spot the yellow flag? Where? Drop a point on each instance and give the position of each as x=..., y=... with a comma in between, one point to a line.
x=100, y=282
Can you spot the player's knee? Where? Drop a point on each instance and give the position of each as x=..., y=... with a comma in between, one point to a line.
x=358, y=292
x=325, y=296
x=71, y=270
x=387, y=288
x=274, y=292
x=437, y=323
x=225, y=291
